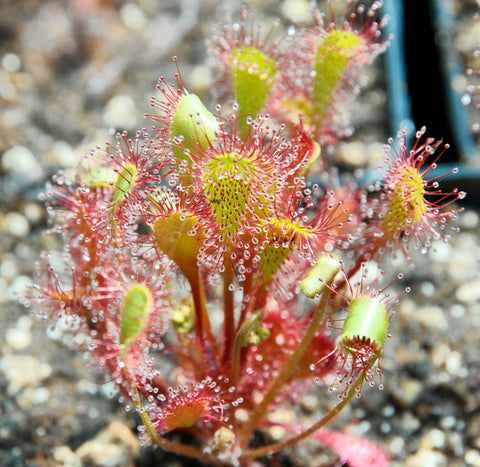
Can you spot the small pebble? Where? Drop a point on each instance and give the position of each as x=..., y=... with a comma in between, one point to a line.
x=469, y=219
x=62, y=154
x=121, y=113
x=310, y=402
x=199, y=79
x=8, y=92
x=397, y=445
x=133, y=17
x=88, y=386
x=16, y=224
x=66, y=457
x=9, y=266
x=11, y=62
x=440, y=355
x=408, y=392
x=115, y=446
x=354, y=154
x=5, y=432
x=363, y=428
x=426, y=458
x=297, y=11
x=468, y=292
x=93, y=413
x=19, y=160
x=388, y=410
x=3, y=290
x=432, y=317
x=410, y=424
x=18, y=287
x=472, y=458
x=22, y=371
x=109, y=388
x=59, y=328
x=282, y=416
x=30, y=397
x=458, y=311
x=428, y=288
x=276, y=432
x=448, y=422
x=385, y=427
x=456, y=444
x=454, y=363
x=441, y=251
x=433, y=438
x=34, y=212
x=18, y=339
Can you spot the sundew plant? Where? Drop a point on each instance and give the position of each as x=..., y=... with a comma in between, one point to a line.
x=212, y=278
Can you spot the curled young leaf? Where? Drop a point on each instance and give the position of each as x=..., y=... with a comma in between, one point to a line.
x=327, y=267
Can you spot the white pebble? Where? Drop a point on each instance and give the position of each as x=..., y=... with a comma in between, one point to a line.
x=434, y=438
x=397, y=445
x=86, y=385
x=426, y=458
x=441, y=251
x=109, y=388
x=469, y=219
x=133, y=17
x=23, y=371
x=18, y=287
x=448, y=422
x=11, y=62
x=428, y=288
x=21, y=161
x=8, y=91
x=121, y=112
x=66, y=457
x=456, y=443
x=472, y=457
x=453, y=363
x=62, y=154
x=9, y=267
x=410, y=423
x=30, y=397
x=18, y=339
x=458, y=311
x=24, y=323
x=199, y=78
x=432, y=317
x=408, y=391
x=296, y=11
x=33, y=212
x=93, y=413
x=3, y=290
x=468, y=292
x=16, y=224
x=354, y=153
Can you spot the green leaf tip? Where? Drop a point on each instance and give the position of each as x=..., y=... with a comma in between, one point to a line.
x=333, y=56
x=194, y=124
x=253, y=74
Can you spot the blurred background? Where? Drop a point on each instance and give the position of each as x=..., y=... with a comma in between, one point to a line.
x=74, y=72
